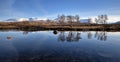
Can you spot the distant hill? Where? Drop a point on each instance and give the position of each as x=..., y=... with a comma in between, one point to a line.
x=36, y=19
x=11, y=20
x=83, y=20
x=117, y=22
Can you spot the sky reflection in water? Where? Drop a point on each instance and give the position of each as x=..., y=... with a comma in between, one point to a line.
x=63, y=46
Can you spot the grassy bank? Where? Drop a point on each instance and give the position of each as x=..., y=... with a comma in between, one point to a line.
x=56, y=26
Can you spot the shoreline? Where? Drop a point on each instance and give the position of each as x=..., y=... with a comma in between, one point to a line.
x=34, y=26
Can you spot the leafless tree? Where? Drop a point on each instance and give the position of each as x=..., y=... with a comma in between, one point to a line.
x=102, y=19
x=77, y=18
x=96, y=21
x=69, y=18
x=105, y=18
x=61, y=19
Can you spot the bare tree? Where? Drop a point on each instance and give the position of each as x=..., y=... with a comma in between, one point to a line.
x=77, y=18
x=99, y=19
x=96, y=20
x=73, y=19
x=69, y=18
x=61, y=19
x=102, y=19
x=105, y=18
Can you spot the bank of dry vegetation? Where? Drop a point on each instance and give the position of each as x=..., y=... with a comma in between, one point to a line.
x=40, y=25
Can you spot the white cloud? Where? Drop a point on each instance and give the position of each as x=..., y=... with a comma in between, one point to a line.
x=41, y=18
x=23, y=19
x=113, y=19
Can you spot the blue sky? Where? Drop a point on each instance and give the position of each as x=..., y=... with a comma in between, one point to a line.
x=51, y=8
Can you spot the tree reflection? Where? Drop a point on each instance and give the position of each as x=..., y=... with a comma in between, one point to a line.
x=77, y=36
x=101, y=35
x=61, y=36
x=25, y=32
x=89, y=35
x=72, y=36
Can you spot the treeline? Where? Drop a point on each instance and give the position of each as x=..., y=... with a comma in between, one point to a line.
x=62, y=22
x=62, y=19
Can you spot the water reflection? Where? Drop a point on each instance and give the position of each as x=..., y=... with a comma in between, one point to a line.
x=61, y=36
x=101, y=35
x=70, y=37
x=9, y=37
x=25, y=32
x=73, y=36
x=89, y=35
x=76, y=36
x=43, y=46
x=55, y=32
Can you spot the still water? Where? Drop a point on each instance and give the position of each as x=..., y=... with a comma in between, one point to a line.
x=63, y=46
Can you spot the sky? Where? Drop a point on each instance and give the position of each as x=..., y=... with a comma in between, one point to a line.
x=51, y=8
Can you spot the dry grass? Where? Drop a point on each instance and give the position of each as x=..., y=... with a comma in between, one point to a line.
x=37, y=25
